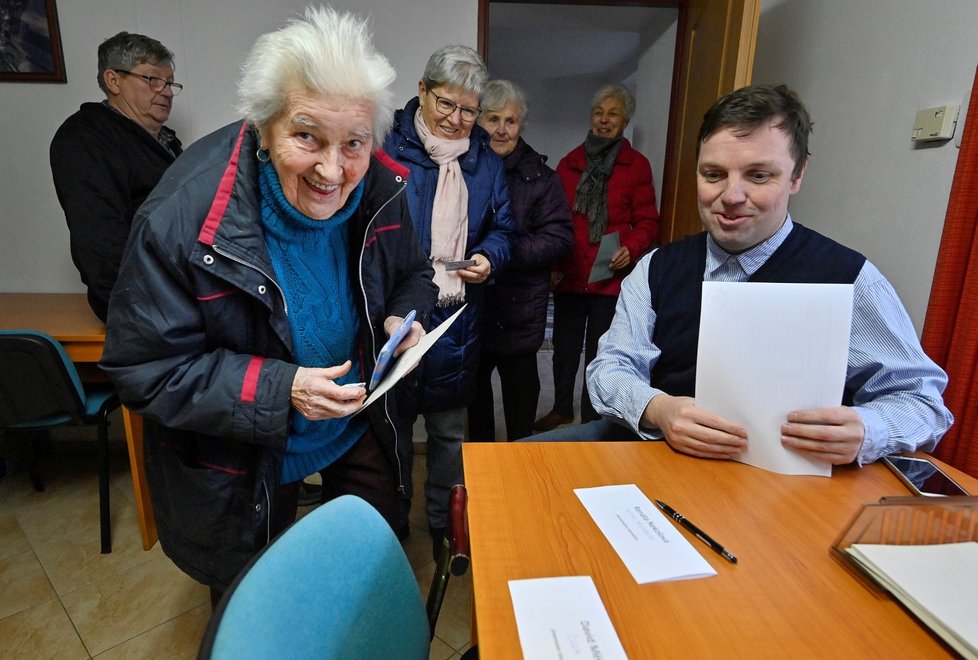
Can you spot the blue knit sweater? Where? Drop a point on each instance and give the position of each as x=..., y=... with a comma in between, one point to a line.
x=311, y=261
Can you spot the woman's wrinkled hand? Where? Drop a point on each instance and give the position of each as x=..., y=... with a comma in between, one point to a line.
x=414, y=335
x=316, y=396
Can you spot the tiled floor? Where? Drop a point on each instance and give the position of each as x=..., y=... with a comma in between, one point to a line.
x=60, y=598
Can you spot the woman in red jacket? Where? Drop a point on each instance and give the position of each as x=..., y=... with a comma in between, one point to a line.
x=609, y=188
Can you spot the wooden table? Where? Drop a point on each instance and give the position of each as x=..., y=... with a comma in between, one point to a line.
x=68, y=318
x=785, y=598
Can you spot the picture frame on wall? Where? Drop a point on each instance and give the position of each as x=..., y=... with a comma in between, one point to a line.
x=30, y=42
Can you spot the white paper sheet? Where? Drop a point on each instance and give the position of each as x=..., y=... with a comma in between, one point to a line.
x=766, y=349
x=651, y=547
x=409, y=358
x=563, y=617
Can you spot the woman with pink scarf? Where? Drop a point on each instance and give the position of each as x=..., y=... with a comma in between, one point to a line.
x=457, y=197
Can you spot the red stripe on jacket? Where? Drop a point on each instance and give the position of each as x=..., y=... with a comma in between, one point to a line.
x=250, y=385
x=223, y=194
x=391, y=164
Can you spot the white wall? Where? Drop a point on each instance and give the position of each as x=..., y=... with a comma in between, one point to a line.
x=864, y=68
x=209, y=41
x=653, y=91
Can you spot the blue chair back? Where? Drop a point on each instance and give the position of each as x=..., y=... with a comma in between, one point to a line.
x=39, y=385
x=336, y=584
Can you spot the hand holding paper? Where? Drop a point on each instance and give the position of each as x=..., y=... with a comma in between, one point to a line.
x=693, y=430
x=316, y=396
x=601, y=270
x=409, y=358
x=831, y=435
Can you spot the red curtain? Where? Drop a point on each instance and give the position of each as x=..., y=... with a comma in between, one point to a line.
x=950, y=334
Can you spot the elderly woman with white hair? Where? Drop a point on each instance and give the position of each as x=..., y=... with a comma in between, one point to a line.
x=261, y=280
x=609, y=187
x=516, y=302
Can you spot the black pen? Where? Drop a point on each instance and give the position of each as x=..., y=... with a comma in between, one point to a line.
x=697, y=532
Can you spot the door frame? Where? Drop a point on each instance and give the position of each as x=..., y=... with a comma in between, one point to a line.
x=715, y=41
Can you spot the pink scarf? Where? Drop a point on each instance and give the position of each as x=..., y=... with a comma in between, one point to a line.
x=449, y=213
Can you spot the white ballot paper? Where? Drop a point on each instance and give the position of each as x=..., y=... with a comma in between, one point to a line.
x=766, y=349
x=563, y=618
x=601, y=270
x=651, y=547
x=409, y=358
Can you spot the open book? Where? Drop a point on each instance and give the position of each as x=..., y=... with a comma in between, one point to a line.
x=938, y=583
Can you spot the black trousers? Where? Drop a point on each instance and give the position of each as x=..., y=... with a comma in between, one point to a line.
x=519, y=382
x=365, y=471
x=579, y=321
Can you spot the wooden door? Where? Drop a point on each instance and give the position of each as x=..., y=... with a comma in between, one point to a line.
x=714, y=55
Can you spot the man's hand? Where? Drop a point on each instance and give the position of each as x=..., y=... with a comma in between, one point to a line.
x=477, y=273
x=621, y=258
x=831, y=435
x=316, y=396
x=693, y=430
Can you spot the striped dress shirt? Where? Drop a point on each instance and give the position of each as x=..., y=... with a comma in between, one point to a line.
x=897, y=388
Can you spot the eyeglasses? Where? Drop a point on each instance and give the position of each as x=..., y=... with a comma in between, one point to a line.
x=446, y=107
x=155, y=84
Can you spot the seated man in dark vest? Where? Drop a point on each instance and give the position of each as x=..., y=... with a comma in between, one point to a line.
x=753, y=151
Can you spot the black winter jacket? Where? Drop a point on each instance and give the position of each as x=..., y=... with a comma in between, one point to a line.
x=104, y=166
x=516, y=300
x=198, y=342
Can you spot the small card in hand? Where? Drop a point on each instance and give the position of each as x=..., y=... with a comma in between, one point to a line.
x=458, y=265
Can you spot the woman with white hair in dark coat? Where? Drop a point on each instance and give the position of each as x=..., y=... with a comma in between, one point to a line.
x=262, y=278
x=516, y=301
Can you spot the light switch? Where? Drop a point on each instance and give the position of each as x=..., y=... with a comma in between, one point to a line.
x=935, y=123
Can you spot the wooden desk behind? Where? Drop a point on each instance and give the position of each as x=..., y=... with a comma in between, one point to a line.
x=68, y=318
x=786, y=597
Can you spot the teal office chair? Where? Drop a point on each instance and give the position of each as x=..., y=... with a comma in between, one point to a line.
x=336, y=584
x=40, y=388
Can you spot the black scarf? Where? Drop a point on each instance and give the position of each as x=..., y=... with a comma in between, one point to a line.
x=592, y=190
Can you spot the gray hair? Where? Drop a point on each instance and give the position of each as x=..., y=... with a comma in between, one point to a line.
x=498, y=93
x=125, y=50
x=619, y=92
x=325, y=52
x=458, y=66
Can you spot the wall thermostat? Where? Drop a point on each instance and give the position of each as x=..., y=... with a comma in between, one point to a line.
x=935, y=123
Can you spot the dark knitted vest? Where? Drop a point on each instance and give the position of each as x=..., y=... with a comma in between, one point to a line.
x=677, y=269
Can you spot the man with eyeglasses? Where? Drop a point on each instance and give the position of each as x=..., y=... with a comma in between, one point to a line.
x=108, y=156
